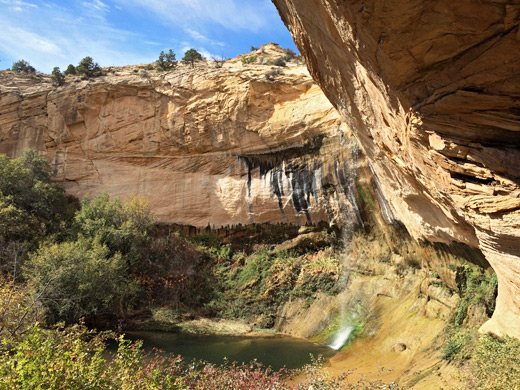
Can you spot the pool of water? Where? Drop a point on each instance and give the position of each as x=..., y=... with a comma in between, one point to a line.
x=275, y=351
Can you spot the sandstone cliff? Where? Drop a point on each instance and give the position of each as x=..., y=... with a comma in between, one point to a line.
x=206, y=146
x=431, y=90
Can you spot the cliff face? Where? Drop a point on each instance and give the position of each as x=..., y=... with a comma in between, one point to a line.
x=431, y=91
x=206, y=146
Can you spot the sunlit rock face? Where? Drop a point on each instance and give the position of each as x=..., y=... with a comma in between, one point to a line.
x=206, y=146
x=431, y=90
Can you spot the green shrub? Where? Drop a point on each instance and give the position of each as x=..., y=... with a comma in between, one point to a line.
x=249, y=60
x=460, y=344
x=71, y=70
x=279, y=62
x=57, y=77
x=88, y=67
x=495, y=364
x=22, y=66
x=207, y=240
x=475, y=288
x=31, y=205
x=123, y=227
x=80, y=279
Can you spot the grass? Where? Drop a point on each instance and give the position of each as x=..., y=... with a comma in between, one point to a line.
x=460, y=344
x=257, y=285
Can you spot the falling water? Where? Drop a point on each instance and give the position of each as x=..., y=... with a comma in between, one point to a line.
x=341, y=337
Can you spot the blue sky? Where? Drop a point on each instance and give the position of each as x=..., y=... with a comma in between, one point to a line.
x=49, y=33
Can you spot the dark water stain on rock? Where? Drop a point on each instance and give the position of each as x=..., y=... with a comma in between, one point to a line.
x=304, y=172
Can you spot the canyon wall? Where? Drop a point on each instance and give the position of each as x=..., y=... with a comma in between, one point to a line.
x=431, y=91
x=206, y=146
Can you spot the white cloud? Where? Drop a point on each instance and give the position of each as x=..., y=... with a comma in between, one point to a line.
x=235, y=15
x=202, y=38
x=26, y=41
x=18, y=3
x=50, y=33
x=18, y=6
x=55, y=36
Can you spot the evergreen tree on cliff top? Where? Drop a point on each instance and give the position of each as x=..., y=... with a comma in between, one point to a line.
x=166, y=61
x=88, y=67
x=192, y=56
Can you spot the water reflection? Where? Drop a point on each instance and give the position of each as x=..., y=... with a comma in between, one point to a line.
x=275, y=351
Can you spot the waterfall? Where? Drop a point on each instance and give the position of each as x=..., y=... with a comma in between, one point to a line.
x=341, y=337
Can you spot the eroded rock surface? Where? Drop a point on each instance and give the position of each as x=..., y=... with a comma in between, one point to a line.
x=206, y=146
x=431, y=91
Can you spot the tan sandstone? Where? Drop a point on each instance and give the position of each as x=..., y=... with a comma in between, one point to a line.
x=431, y=90
x=206, y=146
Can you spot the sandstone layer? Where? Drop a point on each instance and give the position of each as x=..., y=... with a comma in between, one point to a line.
x=431, y=90
x=206, y=146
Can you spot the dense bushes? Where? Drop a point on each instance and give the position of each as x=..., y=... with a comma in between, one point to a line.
x=123, y=227
x=29, y=196
x=75, y=358
x=88, y=67
x=475, y=288
x=259, y=284
x=80, y=279
x=22, y=66
x=495, y=364
x=32, y=208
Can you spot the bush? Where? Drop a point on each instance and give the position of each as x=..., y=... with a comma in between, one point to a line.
x=166, y=62
x=495, y=364
x=174, y=272
x=192, y=56
x=249, y=60
x=57, y=77
x=31, y=205
x=22, y=66
x=75, y=358
x=71, y=70
x=460, y=343
x=289, y=55
x=475, y=288
x=219, y=61
x=88, y=67
x=270, y=76
x=19, y=313
x=80, y=279
x=123, y=227
x=279, y=62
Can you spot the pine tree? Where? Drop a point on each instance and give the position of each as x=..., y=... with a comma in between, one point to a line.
x=57, y=77
x=192, y=56
x=166, y=61
x=71, y=69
